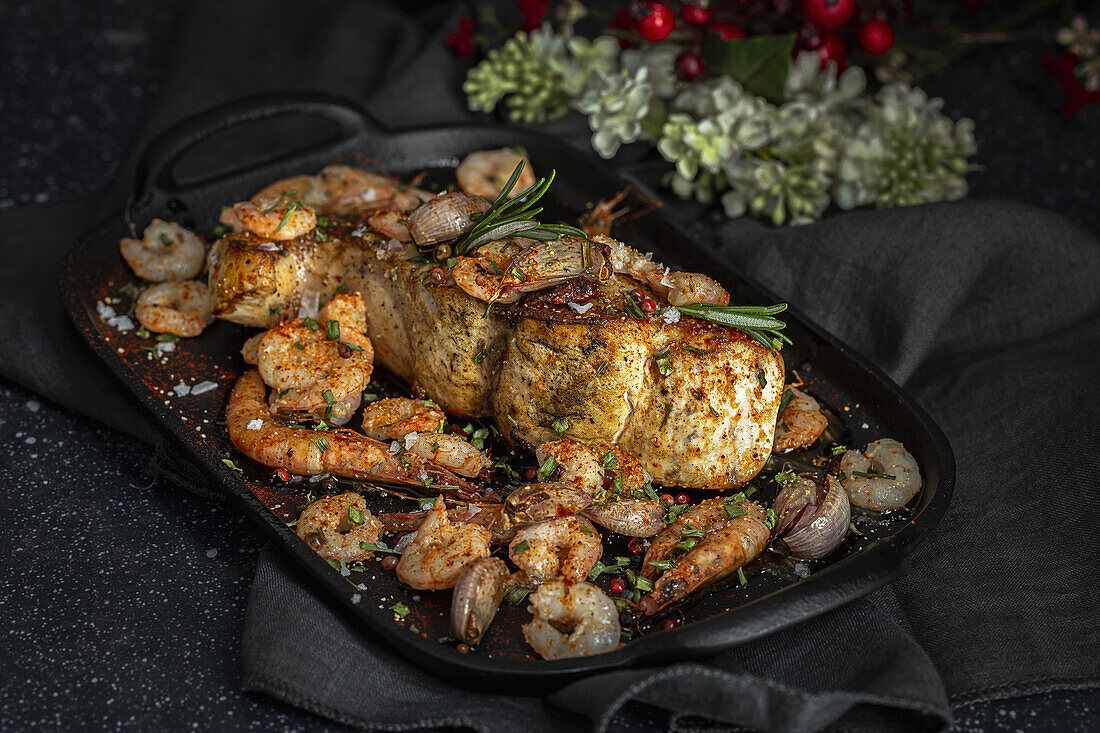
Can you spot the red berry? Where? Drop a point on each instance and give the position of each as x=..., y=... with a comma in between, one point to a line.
x=690, y=66
x=727, y=31
x=876, y=37
x=667, y=499
x=531, y=474
x=389, y=562
x=438, y=276
x=828, y=14
x=669, y=623
x=282, y=474
x=608, y=482
x=533, y=13
x=623, y=22
x=648, y=305
x=682, y=498
x=658, y=24
x=696, y=14
x=617, y=585
x=833, y=48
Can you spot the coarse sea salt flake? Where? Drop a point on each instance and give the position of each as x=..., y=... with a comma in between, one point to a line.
x=123, y=324
x=181, y=389
x=166, y=346
x=671, y=315
x=255, y=424
x=356, y=598
x=33, y=405
x=203, y=387
x=580, y=308
x=105, y=311
x=394, y=447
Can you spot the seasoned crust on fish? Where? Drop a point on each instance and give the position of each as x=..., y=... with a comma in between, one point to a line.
x=707, y=421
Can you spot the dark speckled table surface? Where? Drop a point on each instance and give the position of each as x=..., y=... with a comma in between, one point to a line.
x=122, y=601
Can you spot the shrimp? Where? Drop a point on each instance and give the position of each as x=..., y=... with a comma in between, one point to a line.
x=489, y=516
x=477, y=595
x=485, y=172
x=589, y=466
x=448, y=450
x=604, y=214
x=678, y=288
x=800, y=424
x=166, y=251
x=182, y=308
x=480, y=273
x=890, y=476
x=719, y=543
x=306, y=190
x=250, y=351
x=310, y=366
x=393, y=418
x=350, y=190
x=589, y=615
x=629, y=517
x=280, y=219
x=336, y=525
x=438, y=552
x=557, y=548
x=339, y=451
x=348, y=308
x=390, y=223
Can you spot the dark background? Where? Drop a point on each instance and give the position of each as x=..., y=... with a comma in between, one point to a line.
x=123, y=600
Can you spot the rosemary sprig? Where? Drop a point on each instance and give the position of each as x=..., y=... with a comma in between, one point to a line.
x=515, y=217
x=756, y=321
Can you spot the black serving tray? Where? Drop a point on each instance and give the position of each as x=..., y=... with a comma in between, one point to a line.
x=866, y=404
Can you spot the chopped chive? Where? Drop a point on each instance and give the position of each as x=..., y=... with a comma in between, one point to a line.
x=332, y=330
x=560, y=426
x=328, y=397
x=355, y=516
x=480, y=356
x=741, y=576
x=311, y=324
x=520, y=547
x=761, y=377
x=400, y=610
x=861, y=474
x=668, y=409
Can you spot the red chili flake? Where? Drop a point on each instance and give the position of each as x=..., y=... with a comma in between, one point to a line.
x=682, y=498
x=647, y=305
x=617, y=585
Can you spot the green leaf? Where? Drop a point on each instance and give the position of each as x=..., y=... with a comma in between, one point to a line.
x=760, y=63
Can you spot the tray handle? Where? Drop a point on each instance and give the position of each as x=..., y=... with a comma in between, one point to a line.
x=156, y=168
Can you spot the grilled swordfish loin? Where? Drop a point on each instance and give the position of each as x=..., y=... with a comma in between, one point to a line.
x=695, y=401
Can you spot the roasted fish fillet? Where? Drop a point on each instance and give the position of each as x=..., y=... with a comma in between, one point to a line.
x=695, y=401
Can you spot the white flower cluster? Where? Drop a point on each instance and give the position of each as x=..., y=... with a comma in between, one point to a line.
x=827, y=142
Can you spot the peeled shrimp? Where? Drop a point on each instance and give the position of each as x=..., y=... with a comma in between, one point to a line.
x=588, y=465
x=679, y=288
x=182, y=308
x=166, y=251
x=309, y=371
x=435, y=557
x=350, y=190
x=393, y=418
x=720, y=544
x=477, y=595
x=347, y=308
x=800, y=424
x=896, y=477
x=557, y=548
x=256, y=434
x=335, y=525
x=585, y=611
x=390, y=223
x=448, y=450
x=485, y=172
x=481, y=273
x=250, y=350
x=281, y=219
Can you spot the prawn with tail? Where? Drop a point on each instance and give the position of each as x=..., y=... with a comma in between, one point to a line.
x=339, y=451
